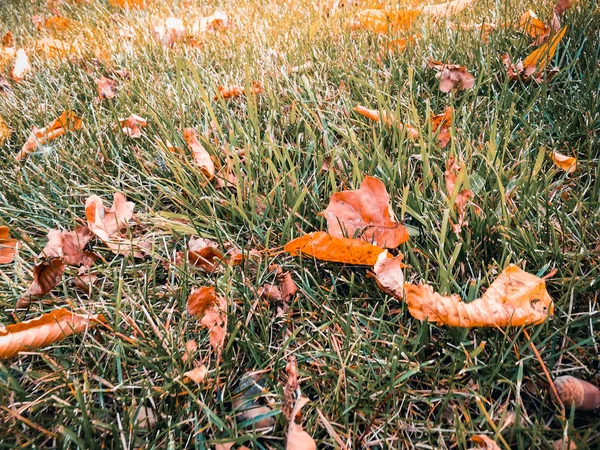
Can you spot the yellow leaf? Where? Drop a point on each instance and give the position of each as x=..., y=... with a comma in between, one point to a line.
x=380, y=21
x=515, y=298
x=44, y=330
x=566, y=163
x=540, y=57
x=533, y=26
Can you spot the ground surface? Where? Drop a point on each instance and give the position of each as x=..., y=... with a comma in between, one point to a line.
x=378, y=377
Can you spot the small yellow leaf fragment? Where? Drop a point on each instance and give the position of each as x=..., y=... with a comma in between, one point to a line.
x=197, y=375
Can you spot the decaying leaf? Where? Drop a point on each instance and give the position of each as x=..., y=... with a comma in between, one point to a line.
x=566, y=163
x=452, y=76
x=286, y=289
x=68, y=121
x=365, y=213
x=8, y=246
x=202, y=158
x=325, y=247
x=246, y=403
x=44, y=330
x=132, y=126
x=212, y=310
x=389, y=274
x=515, y=298
x=69, y=245
x=170, y=32
x=462, y=198
x=107, y=88
x=484, y=442
x=4, y=131
x=197, y=374
x=297, y=438
x=22, y=66
x=441, y=124
x=46, y=277
x=203, y=254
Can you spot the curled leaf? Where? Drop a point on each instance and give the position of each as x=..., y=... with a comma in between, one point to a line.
x=452, y=76
x=46, y=277
x=69, y=245
x=211, y=309
x=365, y=213
x=515, y=298
x=462, y=198
x=297, y=438
x=8, y=246
x=389, y=274
x=132, y=126
x=325, y=247
x=534, y=27
x=44, y=330
x=202, y=158
x=68, y=121
x=108, y=222
x=441, y=124
x=566, y=163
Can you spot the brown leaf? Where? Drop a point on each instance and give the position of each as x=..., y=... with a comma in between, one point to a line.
x=389, y=274
x=68, y=121
x=462, y=198
x=8, y=40
x=365, y=213
x=441, y=123
x=132, y=126
x=197, y=374
x=107, y=88
x=204, y=254
x=234, y=90
x=69, y=245
x=108, y=222
x=566, y=163
x=4, y=131
x=515, y=298
x=325, y=247
x=211, y=308
x=22, y=66
x=8, y=246
x=44, y=330
x=452, y=76
x=202, y=158
x=46, y=276
x=297, y=438
x=286, y=289
x=190, y=348
x=85, y=279
x=484, y=442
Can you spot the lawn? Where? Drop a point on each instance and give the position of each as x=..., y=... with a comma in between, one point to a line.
x=376, y=377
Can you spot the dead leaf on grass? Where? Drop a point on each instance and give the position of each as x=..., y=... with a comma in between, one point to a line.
x=211, y=308
x=201, y=157
x=107, y=88
x=8, y=246
x=68, y=121
x=452, y=76
x=22, y=66
x=46, y=276
x=485, y=442
x=69, y=245
x=132, y=126
x=566, y=163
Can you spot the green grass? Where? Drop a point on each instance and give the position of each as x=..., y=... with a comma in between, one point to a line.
x=381, y=378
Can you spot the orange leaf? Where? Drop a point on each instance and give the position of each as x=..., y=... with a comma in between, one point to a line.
x=325, y=247
x=55, y=47
x=202, y=158
x=107, y=88
x=22, y=66
x=8, y=247
x=566, y=163
x=132, y=126
x=515, y=298
x=380, y=21
x=485, y=442
x=218, y=21
x=139, y=4
x=365, y=213
x=442, y=123
x=211, y=308
x=46, y=277
x=197, y=375
x=4, y=131
x=57, y=23
x=107, y=223
x=68, y=121
x=462, y=198
x=533, y=26
x=44, y=330
x=540, y=57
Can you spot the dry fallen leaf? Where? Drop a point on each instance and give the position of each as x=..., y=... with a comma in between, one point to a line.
x=4, y=131
x=197, y=374
x=233, y=90
x=203, y=254
x=452, y=76
x=139, y=4
x=447, y=9
x=218, y=21
x=389, y=274
x=566, y=163
x=542, y=56
x=297, y=438
x=51, y=48
x=515, y=298
x=286, y=289
x=441, y=124
x=22, y=66
x=382, y=21
x=132, y=126
x=44, y=330
x=212, y=310
x=202, y=158
x=57, y=23
x=462, y=198
x=107, y=88
x=8, y=246
x=365, y=213
x=69, y=245
x=325, y=247
x=173, y=30
x=46, y=276
x=484, y=442
x=534, y=27
x=68, y=121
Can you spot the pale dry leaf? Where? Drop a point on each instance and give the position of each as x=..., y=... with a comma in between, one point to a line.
x=452, y=76
x=44, y=330
x=68, y=121
x=203, y=254
x=447, y=9
x=170, y=32
x=566, y=163
x=197, y=374
x=389, y=274
x=22, y=66
x=8, y=246
x=46, y=276
x=484, y=442
x=201, y=157
x=107, y=88
x=382, y=21
x=69, y=245
x=107, y=223
x=132, y=125
x=219, y=21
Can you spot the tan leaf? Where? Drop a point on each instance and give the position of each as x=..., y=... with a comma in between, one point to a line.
x=325, y=247
x=4, y=131
x=46, y=276
x=452, y=76
x=484, y=442
x=197, y=374
x=441, y=124
x=202, y=158
x=190, y=348
x=107, y=223
x=211, y=309
x=68, y=121
x=365, y=213
x=69, y=245
x=8, y=246
x=533, y=26
x=44, y=330
x=204, y=254
x=297, y=438
x=374, y=114
x=389, y=274
x=107, y=88
x=22, y=66
x=132, y=126
x=515, y=298
x=566, y=163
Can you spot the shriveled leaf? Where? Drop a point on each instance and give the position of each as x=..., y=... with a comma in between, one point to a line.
x=441, y=124
x=8, y=246
x=197, y=374
x=212, y=310
x=485, y=442
x=365, y=213
x=68, y=121
x=389, y=274
x=132, y=126
x=46, y=276
x=233, y=90
x=284, y=291
x=203, y=254
x=515, y=298
x=297, y=438
x=566, y=163
x=452, y=76
x=108, y=222
x=44, y=330
x=325, y=247
x=69, y=245
x=107, y=88
x=202, y=158
x=22, y=66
